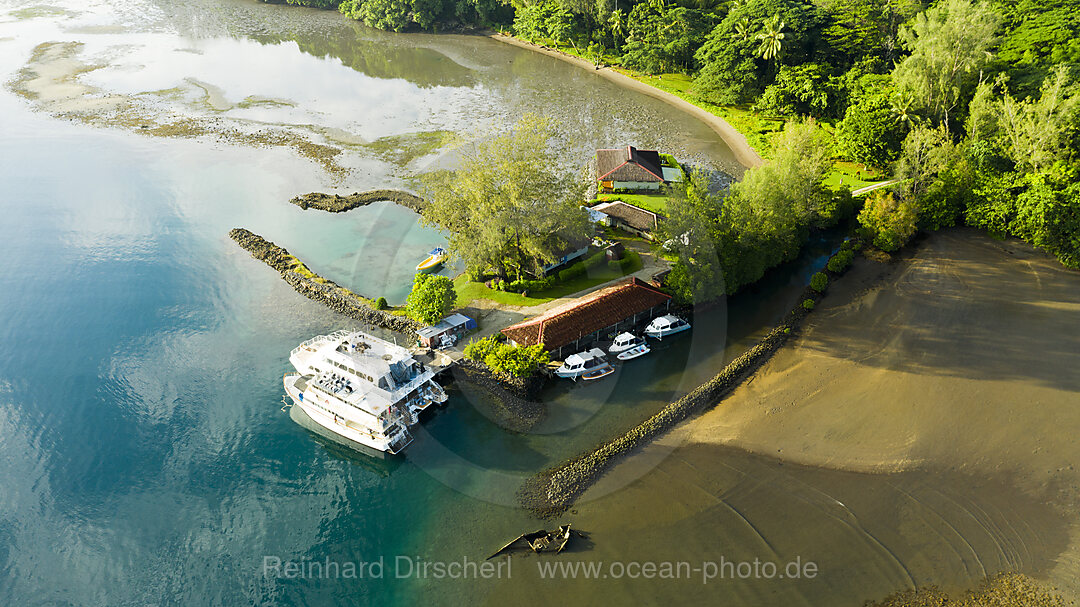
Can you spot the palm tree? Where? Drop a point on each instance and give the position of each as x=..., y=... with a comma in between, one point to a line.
x=742, y=29
x=617, y=22
x=902, y=108
x=772, y=38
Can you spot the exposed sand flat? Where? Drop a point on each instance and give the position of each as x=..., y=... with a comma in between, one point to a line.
x=922, y=430
x=966, y=357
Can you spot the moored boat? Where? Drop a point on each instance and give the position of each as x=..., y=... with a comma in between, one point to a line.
x=362, y=388
x=632, y=353
x=624, y=342
x=663, y=326
x=434, y=259
x=598, y=372
x=578, y=364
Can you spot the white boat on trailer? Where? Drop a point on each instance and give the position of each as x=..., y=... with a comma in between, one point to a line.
x=362, y=388
x=581, y=363
x=663, y=326
x=624, y=342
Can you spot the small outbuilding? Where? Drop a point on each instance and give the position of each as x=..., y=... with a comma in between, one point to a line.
x=635, y=220
x=446, y=332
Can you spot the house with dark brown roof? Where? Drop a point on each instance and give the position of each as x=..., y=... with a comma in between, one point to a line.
x=629, y=169
x=567, y=328
x=628, y=217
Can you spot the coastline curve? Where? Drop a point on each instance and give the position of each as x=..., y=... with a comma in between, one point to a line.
x=736, y=141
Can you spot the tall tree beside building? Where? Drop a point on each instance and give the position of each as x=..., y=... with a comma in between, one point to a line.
x=510, y=207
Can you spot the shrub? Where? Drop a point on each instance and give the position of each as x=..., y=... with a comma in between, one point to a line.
x=808, y=304
x=819, y=281
x=479, y=349
x=516, y=361
x=889, y=222
x=595, y=259
x=574, y=271
x=431, y=298
x=841, y=261
x=380, y=304
x=520, y=286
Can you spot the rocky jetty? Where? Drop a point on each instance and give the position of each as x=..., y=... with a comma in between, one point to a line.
x=336, y=203
x=320, y=289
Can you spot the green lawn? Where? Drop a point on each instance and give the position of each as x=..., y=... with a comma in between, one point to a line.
x=854, y=175
x=657, y=203
x=468, y=291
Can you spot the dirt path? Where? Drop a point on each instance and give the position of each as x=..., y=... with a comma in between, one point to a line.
x=735, y=140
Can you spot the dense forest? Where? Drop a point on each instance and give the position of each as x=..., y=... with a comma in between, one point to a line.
x=970, y=105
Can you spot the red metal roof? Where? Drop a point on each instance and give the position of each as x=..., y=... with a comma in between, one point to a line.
x=585, y=315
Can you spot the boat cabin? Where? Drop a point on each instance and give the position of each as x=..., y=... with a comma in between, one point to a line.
x=584, y=360
x=624, y=341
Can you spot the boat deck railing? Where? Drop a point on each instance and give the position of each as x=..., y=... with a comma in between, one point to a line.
x=341, y=334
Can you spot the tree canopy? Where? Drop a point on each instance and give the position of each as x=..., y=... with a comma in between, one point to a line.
x=509, y=208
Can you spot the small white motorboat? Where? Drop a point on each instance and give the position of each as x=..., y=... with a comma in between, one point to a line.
x=624, y=342
x=668, y=324
x=632, y=353
x=598, y=372
x=434, y=259
x=578, y=364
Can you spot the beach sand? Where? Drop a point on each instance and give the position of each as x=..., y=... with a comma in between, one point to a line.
x=921, y=430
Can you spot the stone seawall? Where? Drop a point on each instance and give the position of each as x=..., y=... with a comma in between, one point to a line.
x=553, y=491
x=322, y=290
x=336, y=203
x=515, y=400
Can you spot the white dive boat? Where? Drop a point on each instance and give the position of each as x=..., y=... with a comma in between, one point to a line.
x=434, y=259
x=632, y=353
x=624, y=342
x=581, y=363
x=362, y=388
x=663, y=326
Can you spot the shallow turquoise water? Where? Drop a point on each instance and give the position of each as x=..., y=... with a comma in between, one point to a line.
x=146, y=459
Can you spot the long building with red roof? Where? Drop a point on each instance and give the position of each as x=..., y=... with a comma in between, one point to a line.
x=589, y=318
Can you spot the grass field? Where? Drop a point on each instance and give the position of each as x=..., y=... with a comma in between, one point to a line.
x=852, y=175
x=468, y=291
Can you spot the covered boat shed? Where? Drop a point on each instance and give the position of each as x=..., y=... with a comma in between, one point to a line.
x=584, y=321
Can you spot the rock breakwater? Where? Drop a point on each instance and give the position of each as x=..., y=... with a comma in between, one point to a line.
x=315, y=287
x=336, y=203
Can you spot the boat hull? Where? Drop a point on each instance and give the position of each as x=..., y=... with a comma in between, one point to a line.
x=661, y=334
x=633, y=353
x=598, y=373
x=339, y=426
x=431, y=263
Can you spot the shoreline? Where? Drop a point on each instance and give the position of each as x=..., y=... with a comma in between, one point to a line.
x=736, y=141
x=555, y=490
